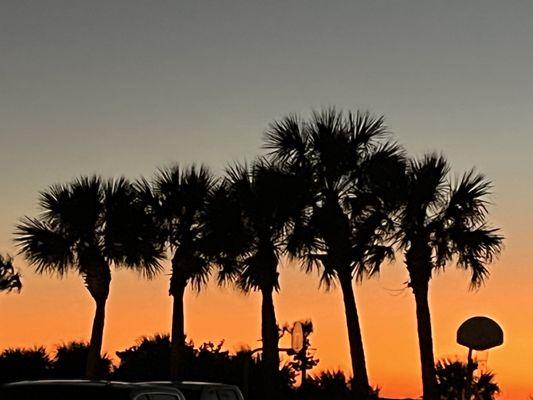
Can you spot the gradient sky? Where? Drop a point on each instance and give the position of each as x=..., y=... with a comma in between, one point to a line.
x=122, y=87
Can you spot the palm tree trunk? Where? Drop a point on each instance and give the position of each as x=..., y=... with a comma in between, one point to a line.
x=360, y=377
x=177, y=351
x=269, y=333
x=425, y=341
x=95, y=344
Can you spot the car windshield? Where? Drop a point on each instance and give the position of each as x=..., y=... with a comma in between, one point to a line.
x=227, y=394
x=62, y=393
x=191, y=394
x=210, y=394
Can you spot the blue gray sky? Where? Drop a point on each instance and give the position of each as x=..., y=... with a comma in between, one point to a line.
x=120, y=87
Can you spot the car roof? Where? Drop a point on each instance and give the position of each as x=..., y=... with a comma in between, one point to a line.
x=193, y=384
x=114, y=385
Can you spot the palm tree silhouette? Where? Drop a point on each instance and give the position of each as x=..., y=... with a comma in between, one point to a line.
x=441, y=221
x=87, y=226
x=177, y=200
x=350, y=174
x=9, y=278
x=255, y=207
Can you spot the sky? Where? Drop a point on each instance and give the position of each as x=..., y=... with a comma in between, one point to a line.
x=121, y=87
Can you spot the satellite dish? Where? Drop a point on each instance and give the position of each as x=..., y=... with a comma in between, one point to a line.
x=480, y=333
x=297, y=337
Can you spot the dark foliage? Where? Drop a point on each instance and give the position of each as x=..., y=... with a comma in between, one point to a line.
x=70, y=360
x=177, y=201
x=24, y=364
x=148, y=360
x=304, y=360
x=442, y=221
x=331, y=385
x=259, y=203
x=453, y=382
x=349, y=171
x=9, y=278
x=87, y=226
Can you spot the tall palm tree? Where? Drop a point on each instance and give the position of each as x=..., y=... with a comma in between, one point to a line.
x=9, y=278
x=177, y=200
x=350, y=172
x=440, y=221
x=87, y=226
x=255, y=208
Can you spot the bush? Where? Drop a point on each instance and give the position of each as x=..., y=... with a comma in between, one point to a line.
x=70, y=361
x=452, y=377
x=24, y=364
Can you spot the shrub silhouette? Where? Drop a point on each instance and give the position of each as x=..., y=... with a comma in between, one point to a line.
x=24, y=364
x=452, y=382
x=9, y=278
x=71, y=358
x=147, y=360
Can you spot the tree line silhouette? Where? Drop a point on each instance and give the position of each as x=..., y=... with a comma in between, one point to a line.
x=335, y=193
x=149, y=360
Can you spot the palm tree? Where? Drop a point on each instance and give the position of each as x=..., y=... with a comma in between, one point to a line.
x=440, y=221
x=253, y=211
x=350, y=172
x=9, y=278
x=87, y=226
x=177, y=200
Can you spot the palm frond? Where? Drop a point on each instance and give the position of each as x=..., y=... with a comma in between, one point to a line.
x=328, y=278
x=366, y=128
x=130, y=234
x=45, y=248
x=382, y=175
x=225, y=236
x=330, y=146
x=82, y=211
x=343, y=162
x=475, y=248
x=301, y=239
x=467, y=203
x=426, y=188
x=192, y=267
x=374, y=259
x=178, y=199
x=285, y=139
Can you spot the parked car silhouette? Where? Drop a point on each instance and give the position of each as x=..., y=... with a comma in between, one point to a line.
x=87, y=390
x=203, y=390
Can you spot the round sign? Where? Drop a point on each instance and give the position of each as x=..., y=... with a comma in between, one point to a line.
x=297, y=337
x=480, y=333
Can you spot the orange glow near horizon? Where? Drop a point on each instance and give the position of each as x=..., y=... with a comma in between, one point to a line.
x=51, y=311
